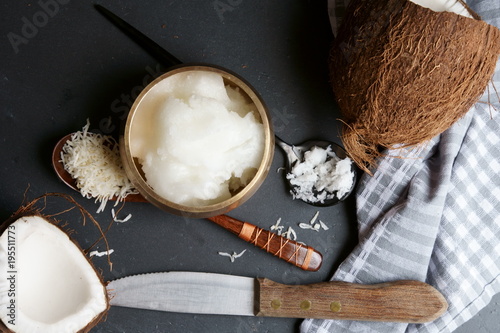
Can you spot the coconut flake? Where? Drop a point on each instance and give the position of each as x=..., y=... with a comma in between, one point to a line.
x=115, y=218
x=315, y=217
x=321, y=176
x=305, y=226
x=290, y=234
x=277, y=227
x=313, y=225
x=323, y=225
x=232, y=256
x=101, y=254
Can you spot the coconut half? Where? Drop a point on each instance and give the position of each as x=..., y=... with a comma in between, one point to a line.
x=47, y=285
x=452, y=6
x=404, y=71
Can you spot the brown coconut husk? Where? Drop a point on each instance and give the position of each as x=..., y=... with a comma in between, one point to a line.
x=403, y=74
x=32, y=209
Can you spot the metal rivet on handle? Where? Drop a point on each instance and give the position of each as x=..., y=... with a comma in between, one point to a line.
x=335, y=306
x=275, y=304
x=305, y=305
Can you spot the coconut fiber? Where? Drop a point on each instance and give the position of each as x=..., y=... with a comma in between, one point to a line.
x=403, y=74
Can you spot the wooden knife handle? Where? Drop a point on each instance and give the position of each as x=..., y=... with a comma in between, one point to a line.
x=300, y=255
x=399, y=301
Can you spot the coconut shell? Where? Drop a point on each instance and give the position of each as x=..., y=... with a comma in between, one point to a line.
x=30, y=210
x=402, y=73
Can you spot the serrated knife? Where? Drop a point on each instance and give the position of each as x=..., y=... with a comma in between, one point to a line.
x=209, y=293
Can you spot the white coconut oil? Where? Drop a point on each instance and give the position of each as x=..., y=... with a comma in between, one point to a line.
x=197, y=139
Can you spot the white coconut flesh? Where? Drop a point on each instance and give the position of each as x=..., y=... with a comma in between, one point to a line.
x=452, y=6
x=56, y=288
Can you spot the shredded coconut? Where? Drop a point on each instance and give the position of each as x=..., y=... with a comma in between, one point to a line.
x=277, y=227
x=93, y=160
x=290, y=234
x=323, y=225
x=313, y=225
x=115, y=218
x=315, y=217
x=233, y=256
x=321, y=176
x=308, y=226
x=101, y=254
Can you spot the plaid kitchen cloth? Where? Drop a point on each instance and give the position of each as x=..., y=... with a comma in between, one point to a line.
x=433, y=216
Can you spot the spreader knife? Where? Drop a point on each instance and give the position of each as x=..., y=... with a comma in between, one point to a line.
x=209, y=293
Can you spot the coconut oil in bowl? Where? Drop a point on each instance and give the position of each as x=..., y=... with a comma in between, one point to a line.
x=198, y=141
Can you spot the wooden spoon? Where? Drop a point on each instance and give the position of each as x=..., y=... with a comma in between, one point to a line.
x=302, y=256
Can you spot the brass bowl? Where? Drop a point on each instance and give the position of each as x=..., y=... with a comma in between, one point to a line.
x=134, y=170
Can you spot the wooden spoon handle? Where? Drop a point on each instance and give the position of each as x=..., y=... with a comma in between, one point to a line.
x=302, y=256
x=406, y=301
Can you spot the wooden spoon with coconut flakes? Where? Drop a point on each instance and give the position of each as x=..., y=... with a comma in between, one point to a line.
x=302, y=256
x=66, y=177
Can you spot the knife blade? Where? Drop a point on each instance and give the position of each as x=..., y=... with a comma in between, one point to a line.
x=210, y=293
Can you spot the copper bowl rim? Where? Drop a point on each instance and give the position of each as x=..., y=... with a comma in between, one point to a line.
x=133, y=170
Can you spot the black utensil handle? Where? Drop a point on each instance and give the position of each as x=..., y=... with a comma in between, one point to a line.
x=155, y=50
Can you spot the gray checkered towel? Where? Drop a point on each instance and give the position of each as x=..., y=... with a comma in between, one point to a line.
x=435, y=217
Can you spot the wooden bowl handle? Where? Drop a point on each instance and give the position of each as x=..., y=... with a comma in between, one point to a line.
x=302, y=256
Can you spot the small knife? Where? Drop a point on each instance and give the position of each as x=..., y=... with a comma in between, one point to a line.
x=209, y=293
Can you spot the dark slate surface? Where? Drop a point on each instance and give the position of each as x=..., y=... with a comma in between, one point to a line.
x=62, y=62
